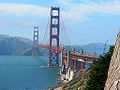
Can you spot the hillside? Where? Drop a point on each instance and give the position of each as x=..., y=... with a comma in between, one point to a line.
x=95, y=48
x=13, y=45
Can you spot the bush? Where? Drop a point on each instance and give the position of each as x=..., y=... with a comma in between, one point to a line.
x=98, y=72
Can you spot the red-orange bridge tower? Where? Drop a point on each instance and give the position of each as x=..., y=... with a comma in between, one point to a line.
x=54, y=49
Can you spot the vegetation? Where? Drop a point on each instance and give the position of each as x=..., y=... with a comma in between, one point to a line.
x=78, y=83
x=98, y=72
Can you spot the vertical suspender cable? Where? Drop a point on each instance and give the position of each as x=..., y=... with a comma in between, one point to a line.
x=66, y=31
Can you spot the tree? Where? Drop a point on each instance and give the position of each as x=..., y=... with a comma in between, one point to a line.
x=98, y=72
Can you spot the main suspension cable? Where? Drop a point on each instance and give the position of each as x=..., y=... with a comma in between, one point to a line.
x=46, y=30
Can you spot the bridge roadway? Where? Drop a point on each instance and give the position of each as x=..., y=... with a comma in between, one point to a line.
x=54, y=48
x=68, y=55
x=73, y=54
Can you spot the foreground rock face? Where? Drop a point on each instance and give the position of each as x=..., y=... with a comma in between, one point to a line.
x=113, y=80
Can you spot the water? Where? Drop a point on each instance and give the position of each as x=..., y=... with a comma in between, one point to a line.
x=26, y=73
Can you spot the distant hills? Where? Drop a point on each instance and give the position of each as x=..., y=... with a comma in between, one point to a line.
x=10, y=45
x=93, y=48
x=14, y=45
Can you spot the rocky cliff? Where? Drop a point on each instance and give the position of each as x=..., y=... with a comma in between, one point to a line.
x=113, y=80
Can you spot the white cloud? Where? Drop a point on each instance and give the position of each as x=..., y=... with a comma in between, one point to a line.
x=71, y=11
x=80, y=11
x=21, y=15
x=23, y=9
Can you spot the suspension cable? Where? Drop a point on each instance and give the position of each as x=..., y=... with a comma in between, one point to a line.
x=69, y=41
x=46, y=30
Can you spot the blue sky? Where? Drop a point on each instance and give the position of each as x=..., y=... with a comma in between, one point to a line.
x=86, y=21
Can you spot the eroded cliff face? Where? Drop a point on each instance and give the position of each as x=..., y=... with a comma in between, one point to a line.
x=113, y=80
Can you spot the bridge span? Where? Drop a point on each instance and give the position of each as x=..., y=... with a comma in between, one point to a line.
x=71, y=60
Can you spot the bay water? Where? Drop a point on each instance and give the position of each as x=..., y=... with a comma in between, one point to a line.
x=26, y=73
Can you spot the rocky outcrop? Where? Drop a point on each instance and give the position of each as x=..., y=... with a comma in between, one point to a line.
x=113, y=80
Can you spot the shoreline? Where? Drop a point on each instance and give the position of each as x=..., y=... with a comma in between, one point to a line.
x=67, y=85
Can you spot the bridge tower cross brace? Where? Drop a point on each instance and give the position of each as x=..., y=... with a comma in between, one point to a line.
x=54, y=35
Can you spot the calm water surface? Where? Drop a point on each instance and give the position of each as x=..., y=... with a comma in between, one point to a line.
x=26, y=73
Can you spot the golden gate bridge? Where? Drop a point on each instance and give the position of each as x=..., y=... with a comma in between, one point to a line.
x=69, y=58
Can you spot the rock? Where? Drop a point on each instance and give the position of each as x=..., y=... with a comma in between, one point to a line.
x=113, y=80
